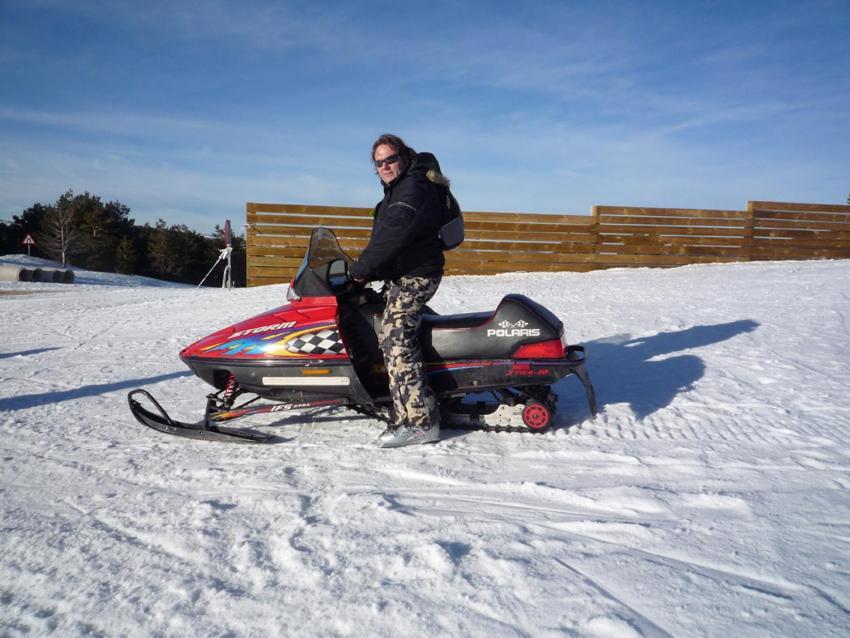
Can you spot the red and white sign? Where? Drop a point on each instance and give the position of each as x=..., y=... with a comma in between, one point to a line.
x=28, y=240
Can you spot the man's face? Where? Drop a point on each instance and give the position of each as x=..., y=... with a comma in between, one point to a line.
x=387, y=171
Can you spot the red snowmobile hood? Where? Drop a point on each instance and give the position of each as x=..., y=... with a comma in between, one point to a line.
x=293, y=330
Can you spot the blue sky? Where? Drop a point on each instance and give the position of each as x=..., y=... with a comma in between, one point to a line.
x=187, y=110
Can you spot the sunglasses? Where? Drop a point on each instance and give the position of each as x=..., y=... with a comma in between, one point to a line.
x=392, y=159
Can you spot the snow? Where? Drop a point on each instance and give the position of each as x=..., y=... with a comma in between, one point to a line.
x=709, y=497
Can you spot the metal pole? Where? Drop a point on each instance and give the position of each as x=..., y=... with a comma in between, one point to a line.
x=227, y=278
x=222, y=256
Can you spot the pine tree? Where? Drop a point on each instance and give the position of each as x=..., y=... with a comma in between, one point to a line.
x=163, y=253
x=126, y=257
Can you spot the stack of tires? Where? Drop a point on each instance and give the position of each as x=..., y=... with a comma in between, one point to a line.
x=47, y=275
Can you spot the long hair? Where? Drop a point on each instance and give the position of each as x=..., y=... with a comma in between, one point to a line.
x=407, y=154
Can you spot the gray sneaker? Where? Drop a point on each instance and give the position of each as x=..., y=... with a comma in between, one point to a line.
x=390, y=429
x=408, y=435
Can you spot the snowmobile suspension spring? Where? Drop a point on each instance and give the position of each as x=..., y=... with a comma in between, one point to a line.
x=230, y=390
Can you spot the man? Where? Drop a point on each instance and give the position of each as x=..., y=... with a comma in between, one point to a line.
x=405, y=251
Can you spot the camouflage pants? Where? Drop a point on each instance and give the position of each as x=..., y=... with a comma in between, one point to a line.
x=414, y=401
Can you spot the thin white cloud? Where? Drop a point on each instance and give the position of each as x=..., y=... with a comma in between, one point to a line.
x=113, y=122
x=277, y=25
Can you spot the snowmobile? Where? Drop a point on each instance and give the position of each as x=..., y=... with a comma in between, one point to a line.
x=491, y=370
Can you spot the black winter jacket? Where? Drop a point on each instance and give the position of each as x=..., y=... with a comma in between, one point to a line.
x=405, y=232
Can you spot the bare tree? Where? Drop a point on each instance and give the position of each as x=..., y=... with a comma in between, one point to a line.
x=58, y=237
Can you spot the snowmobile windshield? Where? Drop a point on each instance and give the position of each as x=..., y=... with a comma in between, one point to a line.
x=324, y=268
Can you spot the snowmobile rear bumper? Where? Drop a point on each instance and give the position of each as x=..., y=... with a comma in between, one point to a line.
x=576, y=357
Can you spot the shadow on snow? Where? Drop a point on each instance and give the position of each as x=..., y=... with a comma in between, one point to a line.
x=25, y=353
x=632, y=370
x=24, y=401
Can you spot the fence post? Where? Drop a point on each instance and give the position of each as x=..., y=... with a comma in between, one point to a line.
x=597, y=237
x=748, y=230
x=250, y=216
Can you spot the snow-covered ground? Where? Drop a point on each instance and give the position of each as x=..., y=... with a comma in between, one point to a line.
x=710, y=496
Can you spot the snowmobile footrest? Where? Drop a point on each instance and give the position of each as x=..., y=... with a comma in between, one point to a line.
x=202, y=430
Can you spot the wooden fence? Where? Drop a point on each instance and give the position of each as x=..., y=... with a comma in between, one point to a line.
x=613, y=236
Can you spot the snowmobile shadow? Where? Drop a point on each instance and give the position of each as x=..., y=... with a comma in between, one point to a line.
x=631, y=370
x=25, y=353
x=24, y=401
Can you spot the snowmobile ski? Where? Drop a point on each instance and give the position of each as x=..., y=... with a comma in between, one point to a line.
x=203, y=430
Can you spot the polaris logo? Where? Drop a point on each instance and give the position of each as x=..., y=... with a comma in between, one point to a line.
x=518, y=329
x=507, y=324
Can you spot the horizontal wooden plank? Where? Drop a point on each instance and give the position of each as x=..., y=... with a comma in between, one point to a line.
x=759, y=242
x=803, y=234
x=501, y=267
x=605, y=229
x=530, y=235
x=530, y=218
x=275, y=261
x=267, y=281
x=798, y=246
x=269, y=251
x=307, y=209
x=311, y=221
x=660, y=260
x=260, y=232
x=583, y=243
x=477, y=259
x=302, y=240
x=268, y=271
x=790, y=253
x=674, y=241
x=797, y=207
x=282, y=230
x=561, y=268
x=272, y=240
x=272, y=246
x=474, y=224
x=822, y=227
x=633, y=211
x=626, y=249
x=671, y=222
x=801, y=216
x=514, y=255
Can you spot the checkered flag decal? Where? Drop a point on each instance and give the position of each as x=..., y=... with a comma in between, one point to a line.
x=323, y=342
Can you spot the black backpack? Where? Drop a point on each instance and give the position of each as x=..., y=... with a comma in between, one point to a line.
x=451, y=231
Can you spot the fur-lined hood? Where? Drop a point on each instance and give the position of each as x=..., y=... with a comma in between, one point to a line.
x=426, y=163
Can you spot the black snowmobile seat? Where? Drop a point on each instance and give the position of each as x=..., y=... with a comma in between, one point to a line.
x=517, y=321
x=450, y=322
